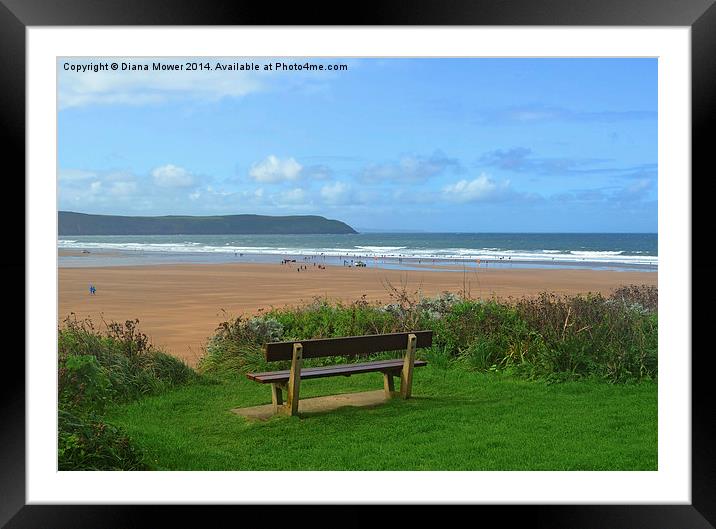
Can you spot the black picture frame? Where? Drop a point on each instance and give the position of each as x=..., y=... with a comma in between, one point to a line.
x=699, y=15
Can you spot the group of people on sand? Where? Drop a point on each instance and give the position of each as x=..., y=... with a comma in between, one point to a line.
x=306, y=258
x=304, y=267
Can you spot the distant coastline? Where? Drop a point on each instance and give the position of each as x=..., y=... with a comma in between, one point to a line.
x=73, y=223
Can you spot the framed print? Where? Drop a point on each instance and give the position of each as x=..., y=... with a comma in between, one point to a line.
x=408, y=258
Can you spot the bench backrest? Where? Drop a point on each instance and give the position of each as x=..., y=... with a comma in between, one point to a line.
x=348, y=346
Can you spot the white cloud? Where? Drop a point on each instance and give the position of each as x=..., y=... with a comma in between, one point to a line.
x=481, y=188
x=294, y=196
x=410, y=168
x=318, y=172
x=636, y=191
x=123, y=189
x=172, y=176
x=336, y=193
x=75, y=175
x=639, y=186
x=78, y=89
x=273, y=169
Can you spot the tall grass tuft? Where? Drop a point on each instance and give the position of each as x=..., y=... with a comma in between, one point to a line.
x=123, y=355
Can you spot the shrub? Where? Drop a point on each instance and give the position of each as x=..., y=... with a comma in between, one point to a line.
x=83, y=384
x=641, y=297
x=439, y=306
x=86, y=442
x=591, y=335
x=468, y=321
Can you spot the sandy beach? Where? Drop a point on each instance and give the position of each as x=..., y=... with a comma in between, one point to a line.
x=179, y=306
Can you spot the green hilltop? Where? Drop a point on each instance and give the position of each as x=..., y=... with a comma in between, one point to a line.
x=72, y=223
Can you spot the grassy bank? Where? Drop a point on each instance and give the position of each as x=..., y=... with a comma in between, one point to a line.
x=98, y=369
x=457, y=420
x=544, y=383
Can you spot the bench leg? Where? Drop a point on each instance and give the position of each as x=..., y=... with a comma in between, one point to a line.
x=294, y=380
x=388, y=384
x=276, y=397
x=406, y=375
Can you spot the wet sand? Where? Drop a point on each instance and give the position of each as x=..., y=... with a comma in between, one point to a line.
x=179, y=306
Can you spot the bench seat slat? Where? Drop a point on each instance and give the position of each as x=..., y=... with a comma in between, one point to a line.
x=388, y=362
x=334, y=370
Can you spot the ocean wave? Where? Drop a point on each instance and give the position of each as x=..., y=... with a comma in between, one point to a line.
x=379, y=249
x=581, y=253
x=377, y=252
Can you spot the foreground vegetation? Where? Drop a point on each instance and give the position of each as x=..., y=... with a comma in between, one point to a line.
x=488, y=399
x=457, y=420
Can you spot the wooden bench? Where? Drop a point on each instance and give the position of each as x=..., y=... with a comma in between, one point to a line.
x=290, y=379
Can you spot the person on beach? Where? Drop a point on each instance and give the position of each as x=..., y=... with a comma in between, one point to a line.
x=92, y=290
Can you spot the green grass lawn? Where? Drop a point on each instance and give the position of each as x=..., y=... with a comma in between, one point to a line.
x=456, y=420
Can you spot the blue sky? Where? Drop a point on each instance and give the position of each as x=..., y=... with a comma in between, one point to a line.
x=471, y=145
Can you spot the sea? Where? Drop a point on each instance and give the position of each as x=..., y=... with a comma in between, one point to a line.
x=403, y=251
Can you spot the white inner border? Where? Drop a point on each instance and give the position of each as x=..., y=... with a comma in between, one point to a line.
x=670, y=484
